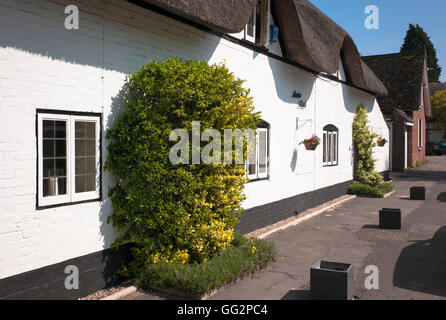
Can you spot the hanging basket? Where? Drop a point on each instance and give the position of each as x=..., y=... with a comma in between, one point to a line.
x=310, y=146
x=381, y=143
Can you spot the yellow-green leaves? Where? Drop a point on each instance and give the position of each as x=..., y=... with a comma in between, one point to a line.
x=364, y=141
x=176, y=213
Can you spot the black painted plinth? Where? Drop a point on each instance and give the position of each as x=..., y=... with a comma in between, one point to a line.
x=418, y=193
x=332, y=281
x=390, y=218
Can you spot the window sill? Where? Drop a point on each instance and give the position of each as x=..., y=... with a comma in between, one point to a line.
x=258, y=180
x=330, y=165
x=66, y=204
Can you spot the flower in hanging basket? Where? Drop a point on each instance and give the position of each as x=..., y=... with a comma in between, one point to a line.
x=381, y=141
x=311, y=143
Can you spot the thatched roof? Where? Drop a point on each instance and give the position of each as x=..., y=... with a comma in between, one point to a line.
x=313, y=40
x=226, y=16
x=402, y=74
x=310, y=37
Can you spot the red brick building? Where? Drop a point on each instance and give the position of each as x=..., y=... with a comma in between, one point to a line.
x=407, y=105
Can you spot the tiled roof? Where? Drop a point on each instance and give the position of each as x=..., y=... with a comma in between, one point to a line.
x=402, y=74
x=434, y=87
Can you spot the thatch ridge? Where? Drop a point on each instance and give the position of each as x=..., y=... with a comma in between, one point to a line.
x=226, y=16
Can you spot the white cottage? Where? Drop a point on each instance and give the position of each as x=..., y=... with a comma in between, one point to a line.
x=59, y=93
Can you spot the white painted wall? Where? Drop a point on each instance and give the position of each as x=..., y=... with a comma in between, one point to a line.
x=43, y=65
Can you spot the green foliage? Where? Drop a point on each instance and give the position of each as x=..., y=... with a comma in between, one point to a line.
x=417, y=40
x=364, y=141
x=438, y=103
x=243, y=257
x=175, y=213
x=365, y=190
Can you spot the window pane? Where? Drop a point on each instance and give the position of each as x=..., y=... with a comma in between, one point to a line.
x=262, y=151
x=335, y=147
x=61, y=129
x=54, y=186
x=252, y=160
x=80, y=184
x=90, y=148
x=61, y=185
x=79, y=166
x=80, y=148
x=48, y=148
x=61, y=167
x=48, y=129
x=329, y=148
x=90, y=183
x=90, y=166
x=48, y=168
x=61, y=148
x=54, y=162
x=79, y=128
x=90, y=130
x=85, y=153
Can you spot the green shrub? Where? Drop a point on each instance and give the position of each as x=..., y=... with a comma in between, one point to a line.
x=243, y=257
x=176, y=213
x=364, y=141
x=365, y=190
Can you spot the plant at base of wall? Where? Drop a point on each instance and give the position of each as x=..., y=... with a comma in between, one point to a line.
x=364, y=142
x=311, y=143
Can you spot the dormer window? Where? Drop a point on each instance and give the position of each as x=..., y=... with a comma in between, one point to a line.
x=257, y=29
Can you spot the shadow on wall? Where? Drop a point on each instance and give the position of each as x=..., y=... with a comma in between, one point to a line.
x=288, y=79
x=128, y=43
x=353, y=97
x=421, y=266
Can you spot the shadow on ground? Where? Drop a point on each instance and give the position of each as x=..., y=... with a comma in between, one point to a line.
x=422, y=266
x=442, y=197
x=297, y=295
x=422, y=175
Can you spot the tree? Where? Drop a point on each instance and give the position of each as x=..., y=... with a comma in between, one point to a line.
x=438, y=102
x=176, y=213
x=416, y=39
x=364, y=141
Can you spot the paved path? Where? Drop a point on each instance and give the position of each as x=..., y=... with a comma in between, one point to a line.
x=411, y=262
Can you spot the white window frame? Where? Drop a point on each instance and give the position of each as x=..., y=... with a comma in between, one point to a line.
x=331, y=153
x=420, y=134
x=257, y=175
x=92, y=194
x=71, y=196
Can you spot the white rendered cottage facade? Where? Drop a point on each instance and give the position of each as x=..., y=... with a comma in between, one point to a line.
x=51, y=76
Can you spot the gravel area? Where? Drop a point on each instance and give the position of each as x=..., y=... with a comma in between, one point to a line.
x=98, y=295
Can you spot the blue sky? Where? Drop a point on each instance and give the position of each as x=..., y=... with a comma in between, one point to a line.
x=394, y=19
